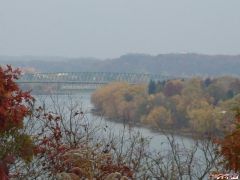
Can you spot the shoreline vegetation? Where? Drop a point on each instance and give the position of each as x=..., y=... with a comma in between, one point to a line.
x=183, y=132
x=179, y=132
x=191, y=107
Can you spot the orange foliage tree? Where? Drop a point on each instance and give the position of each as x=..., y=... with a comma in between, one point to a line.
x=230, y=146
x=14, y=143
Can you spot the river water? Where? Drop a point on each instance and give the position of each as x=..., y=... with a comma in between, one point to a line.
x=157, y=139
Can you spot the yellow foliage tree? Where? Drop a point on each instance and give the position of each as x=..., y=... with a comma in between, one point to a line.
x=159, y=117
x=203, y=117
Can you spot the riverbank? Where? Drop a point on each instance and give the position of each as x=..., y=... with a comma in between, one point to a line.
x=186, y=133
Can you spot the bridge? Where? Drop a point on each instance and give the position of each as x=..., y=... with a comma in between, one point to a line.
x=85, y=80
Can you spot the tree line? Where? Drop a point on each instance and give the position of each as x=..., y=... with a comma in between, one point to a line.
x=197, y=105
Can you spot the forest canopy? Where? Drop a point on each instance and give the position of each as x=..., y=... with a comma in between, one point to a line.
x=202, y=105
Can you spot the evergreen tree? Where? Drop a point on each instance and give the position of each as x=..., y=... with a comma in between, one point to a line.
x=152, y=87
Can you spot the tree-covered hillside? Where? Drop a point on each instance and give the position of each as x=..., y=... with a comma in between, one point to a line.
x=169, y=64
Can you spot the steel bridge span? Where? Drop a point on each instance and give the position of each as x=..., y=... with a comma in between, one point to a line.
x=85, y=80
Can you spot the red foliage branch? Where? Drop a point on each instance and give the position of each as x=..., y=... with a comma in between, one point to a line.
x=13, y=109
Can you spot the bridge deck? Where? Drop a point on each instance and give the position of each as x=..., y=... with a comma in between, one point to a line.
x=90, y=77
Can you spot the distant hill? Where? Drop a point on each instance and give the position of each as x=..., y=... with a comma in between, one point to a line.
x=168, y=64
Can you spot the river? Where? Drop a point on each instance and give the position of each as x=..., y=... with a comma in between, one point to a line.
x=158, y=140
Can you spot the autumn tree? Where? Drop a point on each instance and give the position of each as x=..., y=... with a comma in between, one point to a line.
x=173, y=87
x=230, y=146
x=119, y=100
x=203, y=117
x=193, y=104
x=14, y=143
x=159, y=117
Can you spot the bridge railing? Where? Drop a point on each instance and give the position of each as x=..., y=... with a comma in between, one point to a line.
x=91, y=77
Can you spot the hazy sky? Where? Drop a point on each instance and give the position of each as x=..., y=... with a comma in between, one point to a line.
x=110, y=28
